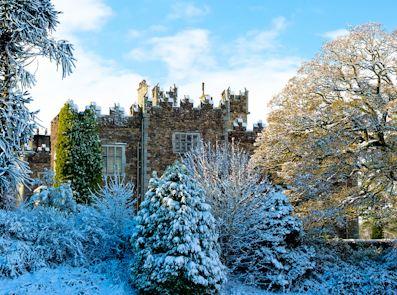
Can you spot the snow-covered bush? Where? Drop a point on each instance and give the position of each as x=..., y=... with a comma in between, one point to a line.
x=224, y=173
x=259, y=236
x=343, y=270
x=57, y=197
x=268, y=250
x=47, y=178
x=175, y=240
x=115, y=202
x=35, y=236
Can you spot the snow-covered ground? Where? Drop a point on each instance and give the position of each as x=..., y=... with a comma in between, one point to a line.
x=63, y=280
x=85, y=281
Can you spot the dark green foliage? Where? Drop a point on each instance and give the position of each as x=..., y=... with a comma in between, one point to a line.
x=78, y=151
x=376, y=230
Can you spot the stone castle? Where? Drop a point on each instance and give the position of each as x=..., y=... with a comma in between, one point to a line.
x=158, y=129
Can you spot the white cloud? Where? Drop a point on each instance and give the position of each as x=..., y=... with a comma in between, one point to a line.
x=331, y=35
x=248, y=47
x=82, y=15
x=189, y=56
x=157, y=28
x=188, y=11
x=133, y=34
x=94, y=80
x=184, y=53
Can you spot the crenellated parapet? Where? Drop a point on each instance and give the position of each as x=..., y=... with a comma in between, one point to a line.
x=245, y=138
x=232, y=106
x=117, y=117
x=235, y=106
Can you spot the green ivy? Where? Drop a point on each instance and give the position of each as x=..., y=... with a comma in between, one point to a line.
x=78, y=151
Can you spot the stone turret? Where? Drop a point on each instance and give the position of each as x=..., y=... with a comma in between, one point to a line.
x=172, y=95
x=235, y=106
x=156, y=95
x=143, y=95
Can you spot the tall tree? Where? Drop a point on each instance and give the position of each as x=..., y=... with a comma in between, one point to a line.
x=332, y=133
x=25, y=28
x=78, y=151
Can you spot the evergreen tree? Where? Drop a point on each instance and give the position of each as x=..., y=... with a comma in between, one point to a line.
x=78, y=151
x=268, y=250
x=176, y=242
x=25, y=28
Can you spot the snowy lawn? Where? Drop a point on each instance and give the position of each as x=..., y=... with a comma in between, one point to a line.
x=63, y=280
x=79, y=280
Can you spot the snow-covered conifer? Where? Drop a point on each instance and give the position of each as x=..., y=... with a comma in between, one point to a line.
x=176, y=241
x=268, y=250
x=25, y=28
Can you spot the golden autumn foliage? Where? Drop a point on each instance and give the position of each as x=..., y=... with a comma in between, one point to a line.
x=331, y=138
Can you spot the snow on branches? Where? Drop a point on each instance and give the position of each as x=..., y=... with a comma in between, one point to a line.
x=259, y=236
x=332, y=133
x=25, y=28
x=176, y=241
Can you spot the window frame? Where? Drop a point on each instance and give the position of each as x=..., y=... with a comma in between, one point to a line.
x=180, y=143
x=115, y=146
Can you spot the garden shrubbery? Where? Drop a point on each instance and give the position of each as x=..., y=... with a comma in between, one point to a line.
x=50, y=229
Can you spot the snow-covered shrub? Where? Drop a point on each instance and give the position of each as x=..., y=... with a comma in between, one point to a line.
x=114, y=203
x=57, y=197
x=259, y=236
x=175, y=240
x=47, y=178
x=224, y=173
x=35, y=236
x=268, y=250
x=343, y=270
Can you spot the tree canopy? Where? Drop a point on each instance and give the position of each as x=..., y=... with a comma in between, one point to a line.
x=332, y=132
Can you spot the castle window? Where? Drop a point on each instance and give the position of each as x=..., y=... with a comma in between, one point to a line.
x=113, y=159
x=183, y=142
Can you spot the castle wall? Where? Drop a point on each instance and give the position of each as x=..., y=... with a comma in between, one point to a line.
x=38, y=162
x=123, y=131
x=165, y=120
x=245, y=139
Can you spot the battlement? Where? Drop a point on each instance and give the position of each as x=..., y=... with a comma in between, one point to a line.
x=241, y=126
x=233, y=105
x=243, y=137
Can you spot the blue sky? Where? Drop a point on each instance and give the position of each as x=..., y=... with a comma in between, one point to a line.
x=253, y=44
